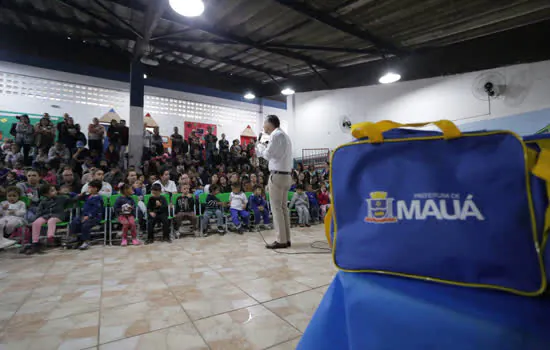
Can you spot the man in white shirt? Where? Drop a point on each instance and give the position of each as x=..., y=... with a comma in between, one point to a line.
x=279, y=154
x=106, y=188
x=167, y=185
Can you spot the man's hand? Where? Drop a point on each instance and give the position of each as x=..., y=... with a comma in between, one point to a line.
x=85, y=218
x=152, y=214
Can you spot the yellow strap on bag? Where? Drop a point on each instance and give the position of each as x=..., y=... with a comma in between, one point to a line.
x=542, y=170
x=374, y=131
x=328, y=217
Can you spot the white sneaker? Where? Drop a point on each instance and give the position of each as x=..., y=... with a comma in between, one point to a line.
x=5, y=243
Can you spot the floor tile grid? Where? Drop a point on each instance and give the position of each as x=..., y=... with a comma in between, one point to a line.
x=28, y=296
x=188, y=316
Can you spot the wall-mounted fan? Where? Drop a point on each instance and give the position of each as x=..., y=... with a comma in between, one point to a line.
x=488, y=86
x=512, y=91
x=345, y=124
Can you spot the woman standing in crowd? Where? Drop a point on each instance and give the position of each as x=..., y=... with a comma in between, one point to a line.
x=96, y=133
x=45, y=133
x=24, y=137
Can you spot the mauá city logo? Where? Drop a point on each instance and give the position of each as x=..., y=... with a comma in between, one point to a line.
x=382, y=209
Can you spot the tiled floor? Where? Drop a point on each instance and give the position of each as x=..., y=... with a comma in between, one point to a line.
x=218, y=293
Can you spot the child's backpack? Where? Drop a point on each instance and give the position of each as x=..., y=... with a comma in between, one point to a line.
x=469, y=209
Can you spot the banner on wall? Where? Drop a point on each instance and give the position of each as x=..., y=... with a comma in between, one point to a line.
x=200, y=129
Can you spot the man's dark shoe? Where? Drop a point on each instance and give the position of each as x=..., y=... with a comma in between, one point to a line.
x=277, y=245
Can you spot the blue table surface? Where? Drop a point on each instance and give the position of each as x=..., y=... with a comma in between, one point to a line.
x=372, y=312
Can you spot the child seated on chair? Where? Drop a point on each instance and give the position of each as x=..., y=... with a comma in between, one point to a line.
x=259, y=206
x=12, y=212
x=185, y=208
x=313, y=203
x=91, y=214
x=324, y=200
x=238, y=202
x=125, y=211
x=301, y=202
x=213, y=208
x=50, y=211
x=157, y=208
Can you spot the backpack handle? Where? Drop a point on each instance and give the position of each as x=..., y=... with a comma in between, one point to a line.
x=374, y=131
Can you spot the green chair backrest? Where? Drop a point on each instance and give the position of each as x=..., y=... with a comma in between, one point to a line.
x=202, y=198
x=26, y=200
x=107, y=201
x=223, y=197
x=248, y=194
x=175, y=197
x=167, y=197
x=112, y=200
x=267, y=196
x=146, y=199
x=290, y=195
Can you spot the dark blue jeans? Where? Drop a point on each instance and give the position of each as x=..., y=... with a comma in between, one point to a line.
x=261, y=214
x=83, y=227
x=235, y=216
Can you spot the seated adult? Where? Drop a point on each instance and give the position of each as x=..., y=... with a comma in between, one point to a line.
x=213, y=181
x=69, y=179
x=114, y=176
x=59, y=152
x=106, y=188
x=31, y=190
x=167, y=185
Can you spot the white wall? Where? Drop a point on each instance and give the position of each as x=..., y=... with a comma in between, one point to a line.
x=83, y=113
x=316, y=114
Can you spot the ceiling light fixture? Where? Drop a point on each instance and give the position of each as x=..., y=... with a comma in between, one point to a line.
x=249, y=96
x=144, y=76
x=188, y=8
x=287, y=91
x=389, y=77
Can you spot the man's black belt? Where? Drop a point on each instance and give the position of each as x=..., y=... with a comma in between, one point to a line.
x=280, y=172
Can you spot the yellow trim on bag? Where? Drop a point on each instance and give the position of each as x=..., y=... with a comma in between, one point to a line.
x=374, y=131
x=427, y=278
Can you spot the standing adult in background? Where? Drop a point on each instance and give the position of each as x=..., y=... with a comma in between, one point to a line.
x=62, y=128
x=24, y=137
x=279, y=154
x=224, y=149
x=44, y=132
x=147, y=143
x=124, y=140
x=210, y=140
x=80, y=137
x=96, y=133
x=179, y=145
x=113, y=134
x=157, y=143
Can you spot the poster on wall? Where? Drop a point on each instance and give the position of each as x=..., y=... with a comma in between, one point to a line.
x=200, y=129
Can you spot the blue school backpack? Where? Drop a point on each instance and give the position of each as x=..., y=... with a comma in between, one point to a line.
x=467, y=209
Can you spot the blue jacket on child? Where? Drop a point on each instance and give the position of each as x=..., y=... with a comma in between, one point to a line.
x=256, y=201
x=312, y=199
x=122, y=200
x=93, y=207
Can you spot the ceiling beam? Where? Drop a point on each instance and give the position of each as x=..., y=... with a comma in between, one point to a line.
x=200, y=24
x=166, y=48
x=152, y=17
x=383, y=45
x=120, y=19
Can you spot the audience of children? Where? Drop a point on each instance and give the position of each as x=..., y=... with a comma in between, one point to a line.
x=62, y=166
